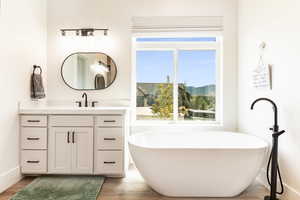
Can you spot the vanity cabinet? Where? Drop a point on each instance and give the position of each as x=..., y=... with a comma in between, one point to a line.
x=74, y=144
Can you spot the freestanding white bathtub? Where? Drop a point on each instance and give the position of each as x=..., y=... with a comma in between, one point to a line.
x=210, y=164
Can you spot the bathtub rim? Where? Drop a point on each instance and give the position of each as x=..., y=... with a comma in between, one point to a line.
x=265, y=145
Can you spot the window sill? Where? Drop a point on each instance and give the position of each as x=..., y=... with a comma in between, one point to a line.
x=177, y=123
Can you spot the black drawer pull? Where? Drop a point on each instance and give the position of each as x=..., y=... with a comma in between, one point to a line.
x=68, y=137
x=109, y=121
x=34, y=121
x=110, y=139
x=73, y=137
x=33, y=161
x=109, y=162
x=33, y=138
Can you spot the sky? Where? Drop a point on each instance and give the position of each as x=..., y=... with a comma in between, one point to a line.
x=187, y=39
x=195, y=67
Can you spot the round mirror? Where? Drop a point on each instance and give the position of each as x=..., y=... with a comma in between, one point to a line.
x=88, y=71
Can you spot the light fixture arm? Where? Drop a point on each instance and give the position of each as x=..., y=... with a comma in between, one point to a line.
x=84, y=31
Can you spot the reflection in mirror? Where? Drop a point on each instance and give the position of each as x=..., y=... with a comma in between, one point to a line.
x=88, y=71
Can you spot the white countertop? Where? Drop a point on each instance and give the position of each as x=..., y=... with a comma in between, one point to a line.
x=51, y=108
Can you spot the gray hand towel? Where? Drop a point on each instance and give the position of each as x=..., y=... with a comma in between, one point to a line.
x=37, y=87
x=99, y=82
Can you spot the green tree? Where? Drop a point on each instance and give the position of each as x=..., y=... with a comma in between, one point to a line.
x=163, y=103
x=204, y=102
x=184, y=100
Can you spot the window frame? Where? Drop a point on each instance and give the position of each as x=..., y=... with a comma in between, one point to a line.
x=175, y=47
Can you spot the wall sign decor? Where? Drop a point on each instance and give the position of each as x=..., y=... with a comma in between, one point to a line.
x=262, y=74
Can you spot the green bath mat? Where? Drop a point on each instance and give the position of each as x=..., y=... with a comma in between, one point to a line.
x=62, y=188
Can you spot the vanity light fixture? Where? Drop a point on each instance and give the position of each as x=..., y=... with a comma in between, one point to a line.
x=84, y=31
x=105, y=66
x=100, y=67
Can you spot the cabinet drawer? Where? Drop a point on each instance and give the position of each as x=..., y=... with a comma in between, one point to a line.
x=33, y=138
x=34, y=162
x=109, y=162
x=64, y=120
x=109, y=120
x=34, y=120
x=109, y=138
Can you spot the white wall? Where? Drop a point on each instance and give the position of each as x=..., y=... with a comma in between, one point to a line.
x=22, y=44
x=276, y=23
x=116, y=15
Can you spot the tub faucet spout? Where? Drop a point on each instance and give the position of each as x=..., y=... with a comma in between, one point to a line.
x=275, y=126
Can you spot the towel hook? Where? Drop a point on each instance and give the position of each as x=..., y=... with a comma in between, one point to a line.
x=37, y=67
x=262, y=47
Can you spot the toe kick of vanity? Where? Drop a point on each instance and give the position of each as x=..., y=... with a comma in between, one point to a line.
x=74, y=144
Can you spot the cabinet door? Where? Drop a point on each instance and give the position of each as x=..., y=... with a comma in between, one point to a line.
x=60, y=147
x=82, y=151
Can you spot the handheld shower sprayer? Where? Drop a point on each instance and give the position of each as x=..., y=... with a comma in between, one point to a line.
x=274, y=153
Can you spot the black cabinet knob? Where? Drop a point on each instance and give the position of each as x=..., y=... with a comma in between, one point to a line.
x=94, y=103
x=79, y=103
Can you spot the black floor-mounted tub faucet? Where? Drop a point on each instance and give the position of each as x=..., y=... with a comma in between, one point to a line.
x=274, y=153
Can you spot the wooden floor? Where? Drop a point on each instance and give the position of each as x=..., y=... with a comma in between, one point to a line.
x=133, y=187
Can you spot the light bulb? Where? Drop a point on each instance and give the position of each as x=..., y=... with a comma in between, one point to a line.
x=105, y=32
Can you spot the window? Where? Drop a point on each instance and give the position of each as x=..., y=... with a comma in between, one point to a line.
x=177, y=78
x=154, y=81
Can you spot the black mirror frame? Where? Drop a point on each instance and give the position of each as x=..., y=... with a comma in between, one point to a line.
x=62, y=66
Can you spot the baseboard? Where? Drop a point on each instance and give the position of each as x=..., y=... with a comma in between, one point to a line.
x=289, y=192
x=9, y=178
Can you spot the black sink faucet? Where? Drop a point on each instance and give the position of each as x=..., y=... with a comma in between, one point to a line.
x=85, y=100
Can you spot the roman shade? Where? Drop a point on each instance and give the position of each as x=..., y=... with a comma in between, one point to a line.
x=174, y=24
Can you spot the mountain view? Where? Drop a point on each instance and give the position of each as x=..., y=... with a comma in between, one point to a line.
x=208, y=90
